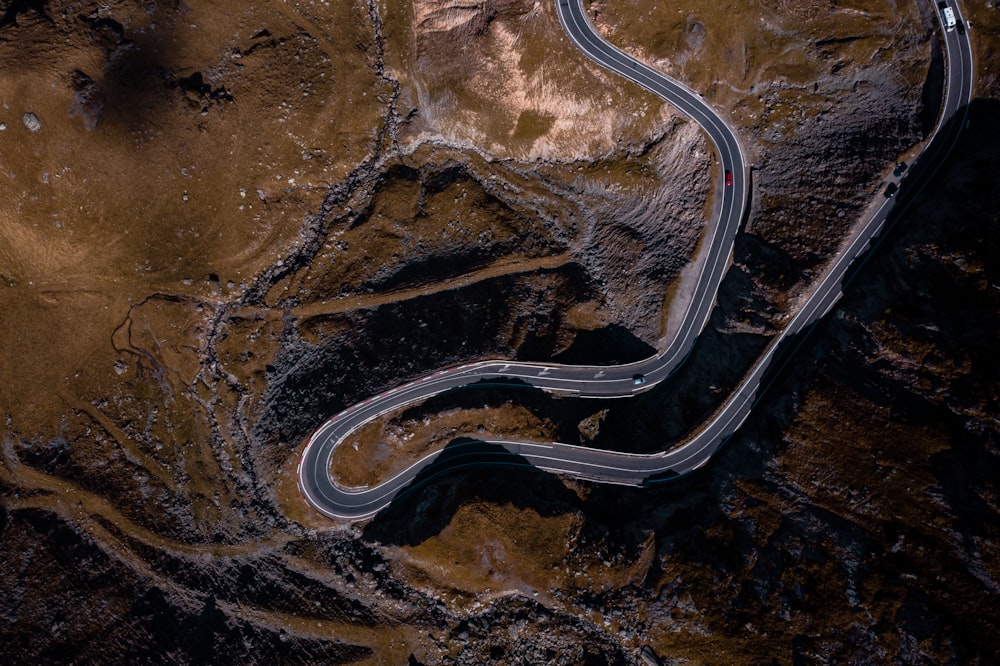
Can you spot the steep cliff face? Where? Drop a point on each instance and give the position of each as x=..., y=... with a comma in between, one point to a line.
x=227, y=222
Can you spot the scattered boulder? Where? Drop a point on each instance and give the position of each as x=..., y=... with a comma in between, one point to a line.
x=32, y=122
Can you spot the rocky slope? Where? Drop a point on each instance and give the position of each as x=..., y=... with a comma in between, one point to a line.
x=225, y=222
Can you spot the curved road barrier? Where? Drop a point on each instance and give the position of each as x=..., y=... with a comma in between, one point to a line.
x=335, y=501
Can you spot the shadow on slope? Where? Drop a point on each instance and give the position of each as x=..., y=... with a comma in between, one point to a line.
x=467, y=470
x=611, y=345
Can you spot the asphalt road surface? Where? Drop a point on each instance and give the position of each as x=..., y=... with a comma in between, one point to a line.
x=332, y=500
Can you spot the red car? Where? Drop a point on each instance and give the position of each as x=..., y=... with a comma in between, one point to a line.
x=729, y=179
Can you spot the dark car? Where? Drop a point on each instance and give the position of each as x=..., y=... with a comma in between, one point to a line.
x=891, y=190
x=960, y=26
x=729, y=179
x=638, y=380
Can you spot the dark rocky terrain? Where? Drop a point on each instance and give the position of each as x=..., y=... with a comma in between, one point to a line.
x=224, y=223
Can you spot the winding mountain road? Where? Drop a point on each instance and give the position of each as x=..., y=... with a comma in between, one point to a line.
x=332, y=500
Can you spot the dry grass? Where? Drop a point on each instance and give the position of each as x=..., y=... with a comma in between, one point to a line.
x=984, y=31
x=727, y=50
x=489, y=550
x=382, y=448
x=741, y=44
x=158, y=193
x=160, y=197
x=840, y=442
